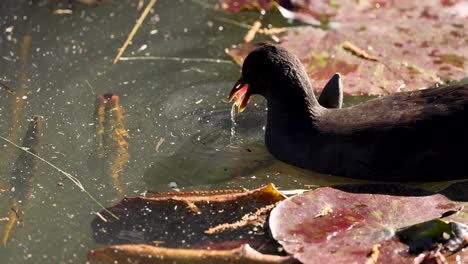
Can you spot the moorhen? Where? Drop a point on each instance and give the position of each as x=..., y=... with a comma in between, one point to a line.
x=409, y=136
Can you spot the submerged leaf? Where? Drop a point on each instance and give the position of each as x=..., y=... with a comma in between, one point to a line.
x=110, y=155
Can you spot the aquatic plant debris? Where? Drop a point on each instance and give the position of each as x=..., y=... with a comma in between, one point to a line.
x=417, y=52
x=369, y=228
x=147, y=219
x=252, y=31
x=111, y=153
x=66, y=174
x=358, y=51
x=243, y=254
x=23, y=175
x=178, y=59
x=6, y=88
x=134, y=30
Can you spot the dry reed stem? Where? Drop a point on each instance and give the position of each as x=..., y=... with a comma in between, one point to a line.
x=135, y=29
x=253, y=31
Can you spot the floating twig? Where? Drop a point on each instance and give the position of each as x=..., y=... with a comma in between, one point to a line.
x=158, y=145
x=135, y=29
x=358, y=51
x=62, y=11
x=68, y=175
x=179, y=59
x=90, y=86
x=101, y=217
x=195, y=193
x=253, y=31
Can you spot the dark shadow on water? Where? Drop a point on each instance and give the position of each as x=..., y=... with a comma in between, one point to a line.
x=456, y=191
x=384, y=188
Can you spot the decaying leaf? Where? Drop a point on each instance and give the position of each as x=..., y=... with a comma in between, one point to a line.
x=181, y=221
x=369, y=228
x=111, y=154
x=414, y=50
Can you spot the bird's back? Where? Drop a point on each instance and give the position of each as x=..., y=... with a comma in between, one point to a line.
x=413, y=135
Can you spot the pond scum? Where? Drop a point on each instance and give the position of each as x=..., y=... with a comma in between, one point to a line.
x=23, y=176
x=111, y=154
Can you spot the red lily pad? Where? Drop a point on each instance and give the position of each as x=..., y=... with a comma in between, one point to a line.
x=398, y=48
x=332, y=226
x=407, y=59
x=324, y=11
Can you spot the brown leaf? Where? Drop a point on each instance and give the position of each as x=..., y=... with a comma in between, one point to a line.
x=181, y=221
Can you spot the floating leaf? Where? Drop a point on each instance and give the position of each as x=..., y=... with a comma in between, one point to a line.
x=360, y=228
x=325, y=11
x=216, y=221
x=396, y=47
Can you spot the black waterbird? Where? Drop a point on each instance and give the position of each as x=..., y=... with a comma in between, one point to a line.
x=409, y=136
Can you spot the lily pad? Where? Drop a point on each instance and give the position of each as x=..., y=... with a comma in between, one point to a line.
x=402, y=47
x=324, y=11
x=332, y=226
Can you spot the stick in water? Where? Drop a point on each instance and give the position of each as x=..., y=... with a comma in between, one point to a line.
x=135, y=29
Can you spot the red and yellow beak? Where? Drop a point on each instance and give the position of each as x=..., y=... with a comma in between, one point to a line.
x=242, y=95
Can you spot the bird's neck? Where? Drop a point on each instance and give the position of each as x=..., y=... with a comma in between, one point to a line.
x=297, y=109
x=296, y=99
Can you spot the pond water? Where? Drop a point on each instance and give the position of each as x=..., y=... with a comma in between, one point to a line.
x=180, y=129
